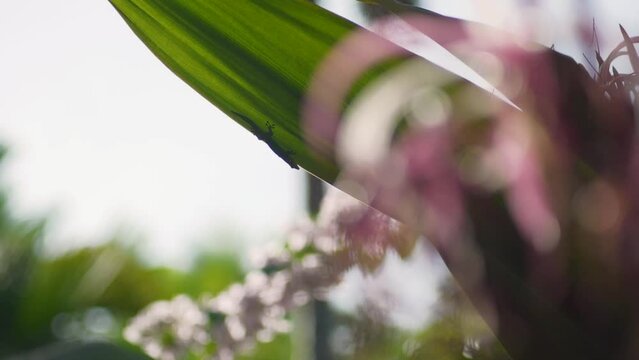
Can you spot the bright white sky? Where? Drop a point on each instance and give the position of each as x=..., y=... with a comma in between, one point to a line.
x=103, y=136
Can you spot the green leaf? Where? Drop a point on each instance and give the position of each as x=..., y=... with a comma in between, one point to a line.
x=252, y=59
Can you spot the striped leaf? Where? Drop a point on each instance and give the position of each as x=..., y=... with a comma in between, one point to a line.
x=252, y=59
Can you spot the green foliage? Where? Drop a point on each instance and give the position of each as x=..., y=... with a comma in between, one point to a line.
x=18, y=241
x=40, y=296
x=279, y=348
x=111, y=277
x=81, y=351
x=211, y=273
x=45, y=303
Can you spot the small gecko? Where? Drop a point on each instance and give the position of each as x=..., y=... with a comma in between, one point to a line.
x=267, y=137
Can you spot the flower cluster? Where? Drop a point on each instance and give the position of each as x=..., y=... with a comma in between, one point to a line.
x=311, y=261
x=168, y=330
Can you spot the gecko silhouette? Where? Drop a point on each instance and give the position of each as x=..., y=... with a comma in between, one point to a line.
x=267, y=137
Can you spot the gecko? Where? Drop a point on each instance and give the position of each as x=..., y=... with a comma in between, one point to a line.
x=267, y=137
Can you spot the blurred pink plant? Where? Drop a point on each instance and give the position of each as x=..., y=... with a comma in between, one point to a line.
x=532, y=206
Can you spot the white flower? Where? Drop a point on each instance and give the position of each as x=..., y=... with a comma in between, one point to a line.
x=169, y=329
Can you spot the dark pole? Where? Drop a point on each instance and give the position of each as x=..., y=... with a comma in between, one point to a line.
x=321, y=311
x=374, y=11
x=323, y=318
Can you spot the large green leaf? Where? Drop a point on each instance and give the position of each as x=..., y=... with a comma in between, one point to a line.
x=252, y=59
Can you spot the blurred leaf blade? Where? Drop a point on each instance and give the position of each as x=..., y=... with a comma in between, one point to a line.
x=251, y=59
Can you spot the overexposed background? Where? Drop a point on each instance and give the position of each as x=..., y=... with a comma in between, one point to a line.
x=103, y=137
